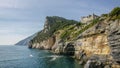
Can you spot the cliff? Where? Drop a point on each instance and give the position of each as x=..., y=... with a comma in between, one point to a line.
x=46, y=38
x=95, y=44
x=100, y=42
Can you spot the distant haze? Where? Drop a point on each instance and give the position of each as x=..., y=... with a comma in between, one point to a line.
x=22, y=18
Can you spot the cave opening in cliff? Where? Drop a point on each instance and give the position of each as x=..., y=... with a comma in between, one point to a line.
x=70, y=49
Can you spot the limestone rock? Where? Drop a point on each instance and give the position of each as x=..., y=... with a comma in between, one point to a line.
x=114, y=40
x=58, y=47
x=97, y=61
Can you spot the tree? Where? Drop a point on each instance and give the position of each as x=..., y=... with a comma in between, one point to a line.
x=115, y=12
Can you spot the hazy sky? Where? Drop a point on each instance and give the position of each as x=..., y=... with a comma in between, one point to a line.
x=22, y=18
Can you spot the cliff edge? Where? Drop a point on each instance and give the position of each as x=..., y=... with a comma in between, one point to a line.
x=95, y=43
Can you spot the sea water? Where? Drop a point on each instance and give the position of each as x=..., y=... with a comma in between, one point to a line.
x=23, y=57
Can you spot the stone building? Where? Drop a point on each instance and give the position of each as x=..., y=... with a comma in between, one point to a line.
x=87, y=19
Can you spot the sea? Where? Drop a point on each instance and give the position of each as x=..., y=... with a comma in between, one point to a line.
x=22, y=57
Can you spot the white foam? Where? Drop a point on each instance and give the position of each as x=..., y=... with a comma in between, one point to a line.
x=31, y=55
x=54, y=57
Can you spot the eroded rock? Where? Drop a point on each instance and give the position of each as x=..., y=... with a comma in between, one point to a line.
x=69, y=49
x=113, y=39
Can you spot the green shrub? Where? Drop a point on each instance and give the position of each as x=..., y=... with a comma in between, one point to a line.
x=115, y=12
x=55, y=23
x=87, y=27
x=104, y=15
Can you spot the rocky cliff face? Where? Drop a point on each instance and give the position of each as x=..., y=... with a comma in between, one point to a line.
x=46, y=44
x=96, y=44
x=102, y=40
x=99, y=41
x=114, y=39
x=94, y=40
x=48, y=37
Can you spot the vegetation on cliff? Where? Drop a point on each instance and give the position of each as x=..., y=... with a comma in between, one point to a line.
x=113, y=15
x=70, y=33
x=98, y=38
x=115, y=12
x=71, y=29
x=52, y=25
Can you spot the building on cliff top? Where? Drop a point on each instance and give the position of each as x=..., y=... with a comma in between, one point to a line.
x=87, y=19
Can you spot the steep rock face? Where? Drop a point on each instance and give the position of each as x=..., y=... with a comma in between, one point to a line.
x=102, y=40
x=69, y=49
x=98, y=61
x=46, y=44
x=96, y=44
x=94, y=40
x=58, y=47
x=114, y=40
x=49, y=37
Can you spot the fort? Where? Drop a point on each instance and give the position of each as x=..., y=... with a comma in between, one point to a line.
x=87, y=19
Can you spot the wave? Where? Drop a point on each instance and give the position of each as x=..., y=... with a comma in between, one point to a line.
x=54, y=57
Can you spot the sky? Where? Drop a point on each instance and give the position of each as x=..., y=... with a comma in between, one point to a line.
x=22, y=18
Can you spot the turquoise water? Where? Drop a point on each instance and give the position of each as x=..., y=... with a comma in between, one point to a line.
x=22, y=57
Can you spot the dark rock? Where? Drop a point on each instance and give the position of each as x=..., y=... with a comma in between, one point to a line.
x=69, y=49
x=96, y=61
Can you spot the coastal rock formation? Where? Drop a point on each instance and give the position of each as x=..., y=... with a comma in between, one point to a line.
x=101, y=39
x=46, y=44
x=96, y=44
x=98, y=61
x=69, y=49
x=49, y=37
x=114, y=40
